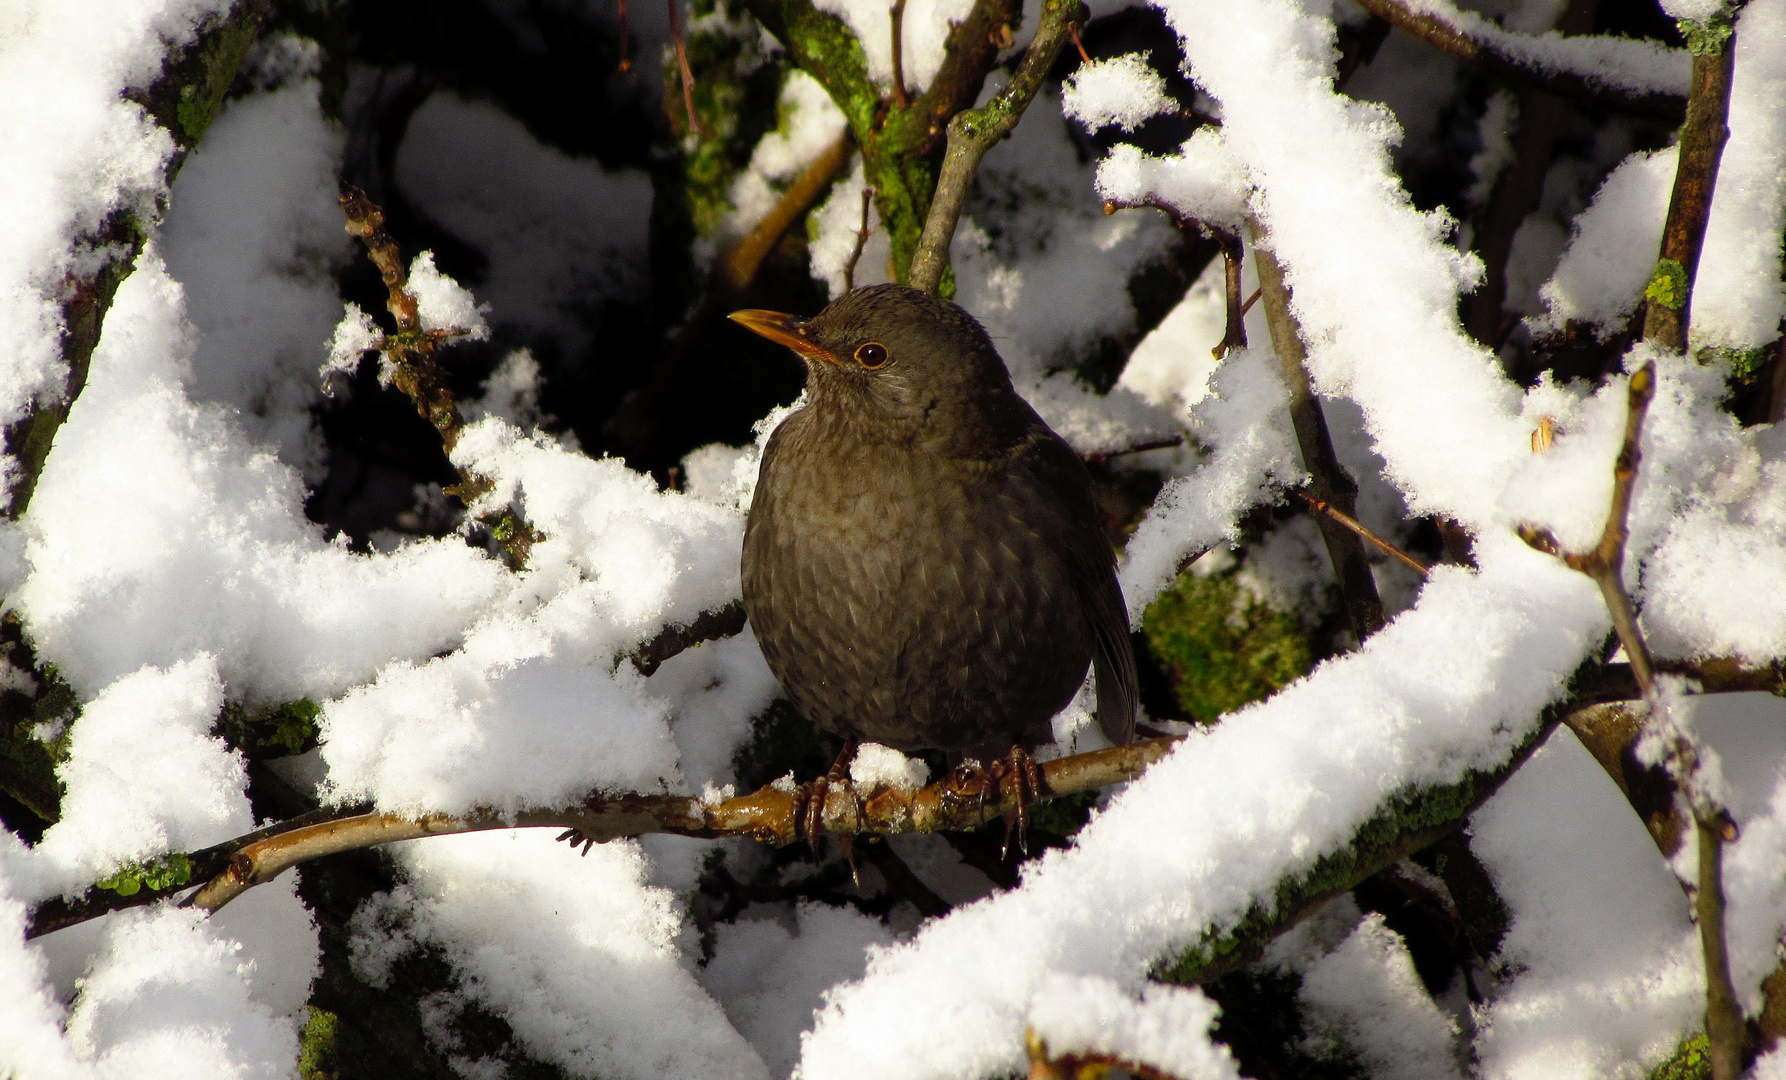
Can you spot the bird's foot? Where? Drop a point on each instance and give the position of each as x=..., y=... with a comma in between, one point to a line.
x=577, y=839
x=809, y=806
x=1019, y=769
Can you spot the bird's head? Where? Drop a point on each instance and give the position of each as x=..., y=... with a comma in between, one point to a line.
x=896, y=356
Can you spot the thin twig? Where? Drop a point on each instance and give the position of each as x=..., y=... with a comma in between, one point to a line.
x=688, y=77
x=1605, y=562
x=1490, y=56
x=1234, y=330
x=1328, y=479
x=626, y=63
x=972, y=132
x=900, y=98
x=1723, y=1015
x=1162, y=442
x=862, y=234
x=1669, y=297
x=1679, y=783
x=415, y=371
x=739, y=265
x=1084, y=57
x=1364, y=531
x=773, y=815
x=720, y=622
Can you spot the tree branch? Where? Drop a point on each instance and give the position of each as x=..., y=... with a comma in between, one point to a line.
x=772, y=815
x=415, y=372
x=738, y=267
x=1487, y=52
x=1669, y=297
x=1364, y=533
x=1659, y=799
x=975, y=131
x=1328, y=480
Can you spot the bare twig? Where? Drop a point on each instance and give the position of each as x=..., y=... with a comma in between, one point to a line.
x=415, y=372
x=1677, y=785
x=1328, y=479
x=1723, y=1015
x=862, y=234
x=1163, y=442
x=711, y=625
x=1605, y=562
x=900, y=98
x=1362, y=530
x=1669, y=297
x=626, y=63
x=972, y=132
x=962, y=800
x=1084, y=57
x=688, y=77
x=739, y=265
x=1234, y=330
x=1490, y=56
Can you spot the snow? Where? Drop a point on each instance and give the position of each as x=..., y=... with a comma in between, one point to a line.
x=1168, y=1028
x=1201, y=181
x=1122, y=91
x=1738, y=297
x=167, y=565
x=253, y=233
x=75, y=152
x=1367, y=993
x=927, y=24
x=1614, y=245
x=145, y=777
x=159, y=531
x=771, y=977
x=578, y=954
x=877, y=764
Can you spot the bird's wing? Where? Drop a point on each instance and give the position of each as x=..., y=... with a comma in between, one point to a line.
x=1089, y=552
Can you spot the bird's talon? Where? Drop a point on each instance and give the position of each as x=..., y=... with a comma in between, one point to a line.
x=576, y=839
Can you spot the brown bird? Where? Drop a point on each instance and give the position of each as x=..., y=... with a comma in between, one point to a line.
x=923, y=563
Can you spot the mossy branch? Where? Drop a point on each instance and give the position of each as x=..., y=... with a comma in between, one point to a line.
x=183, y=100
x=1668, y=299
x=975, y=131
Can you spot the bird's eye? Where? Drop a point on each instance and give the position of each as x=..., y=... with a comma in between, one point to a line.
x=871, y=355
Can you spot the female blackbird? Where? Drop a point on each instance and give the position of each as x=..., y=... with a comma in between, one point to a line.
x=923, y=563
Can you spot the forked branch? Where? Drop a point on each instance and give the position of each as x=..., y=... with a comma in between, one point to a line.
x=972, y=132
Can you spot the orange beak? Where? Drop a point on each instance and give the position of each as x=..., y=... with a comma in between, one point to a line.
x=784, y=330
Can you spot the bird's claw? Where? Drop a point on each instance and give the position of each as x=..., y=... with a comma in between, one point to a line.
x=1020, y=769
x=577, y=838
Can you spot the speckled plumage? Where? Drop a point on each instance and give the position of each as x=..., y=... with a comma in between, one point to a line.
x=923, y=563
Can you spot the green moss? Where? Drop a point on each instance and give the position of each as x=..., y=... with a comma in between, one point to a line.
x=1221, y=646
x=276, y=731
x=1407, y=822
x=159, y=874
x=1708, y=38
x=1668, y=284
x=317, y=1059
x=1691, y=1060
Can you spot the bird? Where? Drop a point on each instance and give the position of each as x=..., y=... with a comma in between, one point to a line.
x=923, y=564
